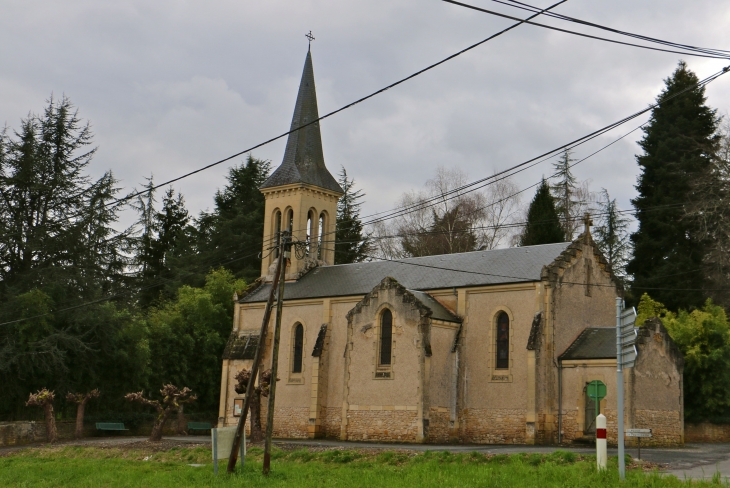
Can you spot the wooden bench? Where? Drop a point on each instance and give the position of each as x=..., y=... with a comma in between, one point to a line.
x=199, y=426
x=113, y=426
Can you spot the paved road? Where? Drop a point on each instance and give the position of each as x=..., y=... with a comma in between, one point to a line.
x=691, y=461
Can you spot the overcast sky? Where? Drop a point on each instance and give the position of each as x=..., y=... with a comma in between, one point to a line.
x=169, y=86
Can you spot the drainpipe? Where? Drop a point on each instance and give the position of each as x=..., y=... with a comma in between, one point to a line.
x=560, y=401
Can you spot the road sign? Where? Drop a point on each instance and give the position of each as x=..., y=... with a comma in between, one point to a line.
x=597, y=390
x=638, y=432
x=627, y=337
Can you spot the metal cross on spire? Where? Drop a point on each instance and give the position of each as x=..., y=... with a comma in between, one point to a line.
x=310, y=37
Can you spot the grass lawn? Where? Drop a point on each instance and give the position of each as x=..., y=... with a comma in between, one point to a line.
x=94, y=467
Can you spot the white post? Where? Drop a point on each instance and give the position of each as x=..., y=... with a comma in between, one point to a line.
x=620, y=391
x=601, y=451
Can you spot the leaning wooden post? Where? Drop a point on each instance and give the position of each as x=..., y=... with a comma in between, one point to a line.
x=280, y=268
x=286, y=245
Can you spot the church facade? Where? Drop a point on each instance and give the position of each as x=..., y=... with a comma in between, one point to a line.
x=481, y=347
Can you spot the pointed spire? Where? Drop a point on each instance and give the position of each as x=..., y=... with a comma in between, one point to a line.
x=304, y=159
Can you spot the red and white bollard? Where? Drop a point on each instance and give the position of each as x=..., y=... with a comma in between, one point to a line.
x=601, y=449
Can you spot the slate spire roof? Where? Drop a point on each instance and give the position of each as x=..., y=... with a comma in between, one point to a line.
x=303, y=159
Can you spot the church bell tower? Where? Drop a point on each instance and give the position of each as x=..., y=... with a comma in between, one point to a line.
x=301, y=195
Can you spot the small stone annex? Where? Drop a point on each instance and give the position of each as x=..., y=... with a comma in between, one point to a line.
x=481, y=347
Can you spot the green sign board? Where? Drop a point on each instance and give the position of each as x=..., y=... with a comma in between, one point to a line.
x=597, y=390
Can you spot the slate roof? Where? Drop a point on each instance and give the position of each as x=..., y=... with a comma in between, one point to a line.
x=593, y=343
x=498, y=266
x=241, y=347
x=439, y=311
x=303, y=158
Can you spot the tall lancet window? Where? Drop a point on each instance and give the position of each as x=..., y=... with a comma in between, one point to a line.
x=298, y=349
x=289, y=220
x=386, y=338
x=502, y=341
x=310, y=230
x=320, y=243
x=277, y=230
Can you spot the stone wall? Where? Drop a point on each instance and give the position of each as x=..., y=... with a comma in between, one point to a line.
x=383, y=425
x=707, y=432
x=493, y=426
x=438, y=425
x=29, y=432
x=665, y=425
x=333, y=422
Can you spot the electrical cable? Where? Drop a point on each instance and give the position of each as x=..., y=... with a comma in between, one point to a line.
x=329, y=114
x=589, y=36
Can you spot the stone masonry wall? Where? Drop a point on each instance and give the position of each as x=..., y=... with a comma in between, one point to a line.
x=493, y=426
x=438, y=425
x=29, y=432
x=706, y=432
x=332, y=422
x=382, y=425
x=665, y=425
x=289, y=422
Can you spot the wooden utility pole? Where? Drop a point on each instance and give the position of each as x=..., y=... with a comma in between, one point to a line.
x=286, y=247
x=278, y=276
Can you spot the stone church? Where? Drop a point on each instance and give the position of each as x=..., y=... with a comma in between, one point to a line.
x=480, y=347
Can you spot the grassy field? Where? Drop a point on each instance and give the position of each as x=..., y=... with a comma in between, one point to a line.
x=115, y=467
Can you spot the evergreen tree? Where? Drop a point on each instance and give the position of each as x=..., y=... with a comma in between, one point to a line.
x=678, y=146
x=564, y=191
x=611, y=234
x=232, y=234
x=58, y=250
x=543, y=224
x=163, y=241
x=351, y=244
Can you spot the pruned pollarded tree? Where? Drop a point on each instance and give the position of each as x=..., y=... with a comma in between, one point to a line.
x=80, y=399
x=44, y=398
x=172, y=398
x=261, y=390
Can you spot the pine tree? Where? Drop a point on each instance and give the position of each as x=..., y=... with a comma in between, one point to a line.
x=543, y=224
x=232, y=235
x=678, y=145
x=564, y=191
x=351, y=244
x=611, y=234
x=163, y=241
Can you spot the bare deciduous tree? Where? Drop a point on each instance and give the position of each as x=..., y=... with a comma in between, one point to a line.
x=80, y=399
x=44, y=398
x=172, y=398
x=443, y=218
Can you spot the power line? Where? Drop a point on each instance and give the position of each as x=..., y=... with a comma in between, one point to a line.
x=571, y=145
x=531, y=8
x=575, y=33
x=330, y=114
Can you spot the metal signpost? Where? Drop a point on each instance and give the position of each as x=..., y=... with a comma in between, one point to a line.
x=625, y=357
x=638, y=433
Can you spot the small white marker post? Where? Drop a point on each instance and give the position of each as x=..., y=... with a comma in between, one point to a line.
x=601, y=448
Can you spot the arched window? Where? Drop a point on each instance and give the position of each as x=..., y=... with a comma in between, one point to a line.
x=310, y=230
x=298, y=349
x=386, y=338
x=502, y=341
x=320, y=253
x=277, y=230
x=289, y=220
